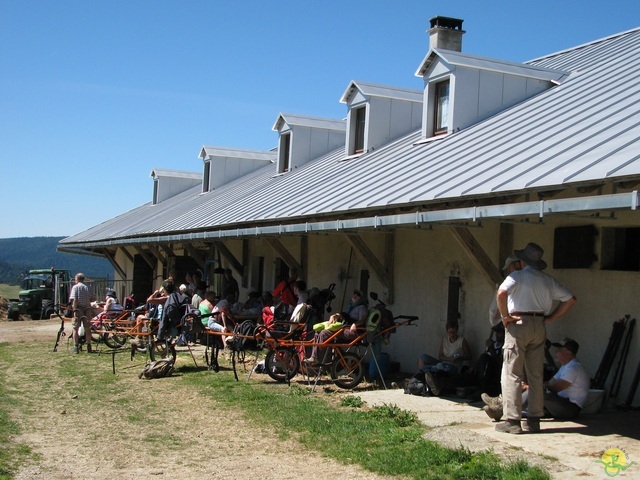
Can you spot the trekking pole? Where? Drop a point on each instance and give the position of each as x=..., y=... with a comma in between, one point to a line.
x=632, y=390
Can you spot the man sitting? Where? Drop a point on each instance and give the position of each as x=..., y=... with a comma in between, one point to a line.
x=565, y=393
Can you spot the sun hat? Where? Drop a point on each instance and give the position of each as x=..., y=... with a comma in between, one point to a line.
x=510, y=259
x=532, y=255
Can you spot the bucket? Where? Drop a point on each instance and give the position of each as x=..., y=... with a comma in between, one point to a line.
x=593, y=403
x=383, y=362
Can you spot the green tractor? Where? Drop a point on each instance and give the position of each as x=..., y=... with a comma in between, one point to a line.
x=41, y=293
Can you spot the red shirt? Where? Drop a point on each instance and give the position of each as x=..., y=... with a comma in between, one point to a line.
x=285, y=289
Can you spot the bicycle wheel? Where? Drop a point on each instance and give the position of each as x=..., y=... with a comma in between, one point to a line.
x=96, y=336
x=347, y=370
x=282, y=364
x=113, y=340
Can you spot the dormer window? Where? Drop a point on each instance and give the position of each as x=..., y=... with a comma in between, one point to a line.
x=360, y=128
x=207, y=175
x=441, y=108
x=284, y=153
x=155, y=191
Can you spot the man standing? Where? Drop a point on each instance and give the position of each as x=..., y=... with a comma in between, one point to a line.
x=80, y=298
x=230, y=286
x=525, y=302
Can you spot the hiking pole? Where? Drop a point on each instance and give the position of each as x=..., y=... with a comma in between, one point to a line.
x=632, y=390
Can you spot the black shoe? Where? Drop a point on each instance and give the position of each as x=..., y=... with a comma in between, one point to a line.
x=432, y=384
x=532, y=425
x=89, y=350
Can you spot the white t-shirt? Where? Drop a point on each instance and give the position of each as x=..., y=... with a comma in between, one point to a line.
x=574, y=373
x=531, y=290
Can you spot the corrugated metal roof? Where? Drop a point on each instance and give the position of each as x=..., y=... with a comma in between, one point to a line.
x=583, y=131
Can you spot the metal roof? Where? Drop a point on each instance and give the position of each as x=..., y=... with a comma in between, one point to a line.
x=372, y=89
x=490, y=64
x=584, y=131
x=307, y=121
x=164, y=172
x=212, y=151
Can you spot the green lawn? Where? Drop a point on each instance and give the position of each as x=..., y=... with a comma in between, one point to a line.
x=9, y=291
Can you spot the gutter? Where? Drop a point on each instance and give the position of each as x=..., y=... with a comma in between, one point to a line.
x=539, y=208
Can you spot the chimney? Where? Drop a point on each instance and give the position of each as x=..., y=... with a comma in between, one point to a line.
x=446, y=33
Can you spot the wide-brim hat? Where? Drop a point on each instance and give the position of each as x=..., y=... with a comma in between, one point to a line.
x=510, y=259
x=568, y=343
x=532, y=255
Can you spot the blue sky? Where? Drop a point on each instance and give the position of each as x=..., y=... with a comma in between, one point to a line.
x=95, y=94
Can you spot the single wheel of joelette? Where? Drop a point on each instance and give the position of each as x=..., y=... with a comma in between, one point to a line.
x=282, y=364
x=347, y=370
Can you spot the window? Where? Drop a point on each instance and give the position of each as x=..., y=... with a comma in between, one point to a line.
x=574, y=247
x=205, y=178
x=359, y=127
x=441, y=108
x=155, y=191
x=620, y=249
x=284, y=153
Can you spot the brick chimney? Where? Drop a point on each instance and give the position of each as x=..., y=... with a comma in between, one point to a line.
x=446, y=33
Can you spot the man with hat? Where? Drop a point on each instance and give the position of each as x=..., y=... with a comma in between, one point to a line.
x=526, y=301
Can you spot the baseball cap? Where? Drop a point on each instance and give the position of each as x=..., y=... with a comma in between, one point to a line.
x=568, y=343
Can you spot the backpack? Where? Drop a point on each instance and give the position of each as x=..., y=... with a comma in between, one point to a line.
x=172, y=310
x=158, y=369
x=416, y=385
x=244, y=337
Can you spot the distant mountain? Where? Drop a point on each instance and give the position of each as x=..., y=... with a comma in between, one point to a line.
x=17, y=255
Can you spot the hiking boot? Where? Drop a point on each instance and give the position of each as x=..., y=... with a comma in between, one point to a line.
x=431, y=382
x=76, y=349
x=510, y=426
x=532, y=425
x=494, y=413
x=89, y=350
x=493, y=402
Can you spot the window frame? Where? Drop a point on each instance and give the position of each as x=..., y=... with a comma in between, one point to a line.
x=284, y=153
x=440, y=107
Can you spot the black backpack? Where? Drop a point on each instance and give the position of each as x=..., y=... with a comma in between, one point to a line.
x=172, y=310
x=244, y=337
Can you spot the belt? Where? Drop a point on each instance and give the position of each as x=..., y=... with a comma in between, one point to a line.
x=527, y=314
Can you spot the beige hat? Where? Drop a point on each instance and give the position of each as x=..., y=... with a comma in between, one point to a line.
x=510, y=259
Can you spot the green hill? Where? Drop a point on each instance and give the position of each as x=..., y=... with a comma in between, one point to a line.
x=17, y=255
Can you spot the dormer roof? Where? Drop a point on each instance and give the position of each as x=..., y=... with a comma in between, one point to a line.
x=164, y=172
x=483, y=63
x=209, y=152
x=292, y=119
x=372, y=89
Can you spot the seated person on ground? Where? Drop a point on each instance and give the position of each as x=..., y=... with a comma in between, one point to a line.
x=565, y=393
x=454, y=351
x=354, y=320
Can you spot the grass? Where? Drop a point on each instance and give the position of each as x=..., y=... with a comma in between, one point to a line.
x=9, y=291
x=387, y=439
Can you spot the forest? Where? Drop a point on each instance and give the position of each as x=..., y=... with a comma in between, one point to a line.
x=20, y=254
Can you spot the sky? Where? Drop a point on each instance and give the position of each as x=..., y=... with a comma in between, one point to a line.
x=96, y=94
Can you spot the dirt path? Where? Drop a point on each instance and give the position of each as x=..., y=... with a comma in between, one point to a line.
x=78, y=445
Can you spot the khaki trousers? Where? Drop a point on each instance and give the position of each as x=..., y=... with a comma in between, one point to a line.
x=523, y=360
